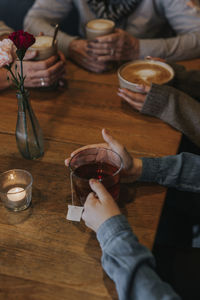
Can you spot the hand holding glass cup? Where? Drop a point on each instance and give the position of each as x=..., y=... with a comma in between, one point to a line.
x=45, y=48
x=48, y=63
x=98, y=163
x=97, y=28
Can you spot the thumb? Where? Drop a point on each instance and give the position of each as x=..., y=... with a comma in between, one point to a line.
x=115, y=145
x=118, y=148
x=100, y=190
x=67, y=160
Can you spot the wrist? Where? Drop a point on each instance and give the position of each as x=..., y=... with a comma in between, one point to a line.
x=74, y=46
x=134, y=173
x=136, y=49
x=137, y=168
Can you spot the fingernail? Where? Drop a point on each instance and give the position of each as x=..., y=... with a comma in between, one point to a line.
x=92, y=181
x=141, y=87
x=105, y=130
x=61, y=83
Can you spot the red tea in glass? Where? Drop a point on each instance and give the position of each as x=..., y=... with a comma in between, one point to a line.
x=99, y=163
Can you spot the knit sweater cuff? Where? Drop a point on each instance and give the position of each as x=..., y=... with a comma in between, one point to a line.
x=156, y=101
x=178, y=69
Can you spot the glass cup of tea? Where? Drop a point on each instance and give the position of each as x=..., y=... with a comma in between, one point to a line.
x=98, y=163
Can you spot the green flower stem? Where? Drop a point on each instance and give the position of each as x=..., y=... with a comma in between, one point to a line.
x=24, y=104
x=32, y=122
x=13, y=75
x=21, y=79
x=22, y=110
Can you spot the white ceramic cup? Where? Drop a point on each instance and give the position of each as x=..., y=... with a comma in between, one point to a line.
x=144, y=72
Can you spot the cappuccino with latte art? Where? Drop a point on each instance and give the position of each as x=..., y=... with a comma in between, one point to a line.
x=144, y=72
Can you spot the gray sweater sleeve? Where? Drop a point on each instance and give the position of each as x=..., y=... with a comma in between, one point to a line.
x=129, y=264
x=175, y=108
x=184, y=21
x=172, y=48
x=4, y=29
x=180, y=171
x=186, y=81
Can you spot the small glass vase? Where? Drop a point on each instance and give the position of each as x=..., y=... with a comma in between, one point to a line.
x=28, y=133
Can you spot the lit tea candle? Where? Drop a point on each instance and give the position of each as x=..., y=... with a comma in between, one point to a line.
x=16, y=194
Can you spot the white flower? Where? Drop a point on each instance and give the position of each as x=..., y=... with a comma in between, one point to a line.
x=7, y=52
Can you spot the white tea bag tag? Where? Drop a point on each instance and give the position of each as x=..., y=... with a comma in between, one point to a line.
x=74, y=213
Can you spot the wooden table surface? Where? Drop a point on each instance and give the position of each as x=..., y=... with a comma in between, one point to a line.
x=42, y=255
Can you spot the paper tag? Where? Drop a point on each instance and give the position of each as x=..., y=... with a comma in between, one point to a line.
x=74, y=213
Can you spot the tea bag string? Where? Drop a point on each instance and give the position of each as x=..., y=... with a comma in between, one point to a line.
x=74, y=213
x=72, y=189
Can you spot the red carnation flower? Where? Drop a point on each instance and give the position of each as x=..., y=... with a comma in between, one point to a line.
x=22, y=40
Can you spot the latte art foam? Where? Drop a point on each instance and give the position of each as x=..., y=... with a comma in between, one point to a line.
x=146, y=73
x=42, y=42
x=43, y=46
x=100, y=24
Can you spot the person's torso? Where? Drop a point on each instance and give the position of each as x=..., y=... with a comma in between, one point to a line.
x=147, y=21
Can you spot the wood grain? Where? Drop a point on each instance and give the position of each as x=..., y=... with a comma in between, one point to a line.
x=42, y=255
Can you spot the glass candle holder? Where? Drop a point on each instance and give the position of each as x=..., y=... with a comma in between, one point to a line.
x=16, y=189
x=98, y=163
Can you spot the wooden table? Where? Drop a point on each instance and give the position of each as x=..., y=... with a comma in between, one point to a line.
x=42, y=255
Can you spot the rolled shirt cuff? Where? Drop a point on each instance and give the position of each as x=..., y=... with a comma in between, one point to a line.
x=150, y=169
x=112, y=227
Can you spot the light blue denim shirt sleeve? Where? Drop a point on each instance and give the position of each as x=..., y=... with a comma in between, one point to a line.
x=180, y=171
x=129, y=264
